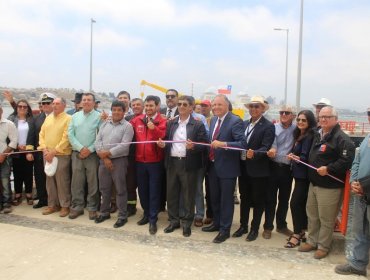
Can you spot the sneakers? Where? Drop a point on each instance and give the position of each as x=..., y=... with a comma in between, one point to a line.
x=50, y=210
x=64, y=212
x=73, y=214
x=346, y=269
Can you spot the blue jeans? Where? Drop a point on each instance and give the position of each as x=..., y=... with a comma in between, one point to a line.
x=359, y=257
x=5, y=179
x=199, y=195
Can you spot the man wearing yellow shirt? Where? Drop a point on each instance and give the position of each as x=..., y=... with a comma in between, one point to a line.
x=54, y=143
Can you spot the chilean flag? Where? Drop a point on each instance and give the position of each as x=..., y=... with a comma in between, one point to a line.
x=224, y=90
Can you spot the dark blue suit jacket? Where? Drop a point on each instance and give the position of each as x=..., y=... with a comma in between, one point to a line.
x=231, y=131
x=260, y=141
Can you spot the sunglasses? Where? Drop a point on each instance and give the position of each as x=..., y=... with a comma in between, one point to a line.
x=22, y=106
x=45, y=103
x=170, y=96
x=183, y=104
x=254, y=106
x=286, y=113
x=301, y=120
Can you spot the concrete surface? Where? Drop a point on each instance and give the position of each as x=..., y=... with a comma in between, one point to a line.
x=34, y=246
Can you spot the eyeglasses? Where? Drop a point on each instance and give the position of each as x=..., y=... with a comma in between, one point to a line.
x=22, y=106
x=45, y=103
x=170, y=96
x=325, y=117
x=286, y=113
x=183, y=104
x=301, y=120
x=254, y=106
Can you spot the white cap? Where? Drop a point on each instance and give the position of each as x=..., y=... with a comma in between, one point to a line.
x=323, y=102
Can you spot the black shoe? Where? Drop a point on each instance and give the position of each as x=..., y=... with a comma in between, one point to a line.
x=221, y=237
x=252, y=235
x=242, y=230
x=186, y=231
x=131, y=210
x=152, y=228
x=210, y=228
x=144, y=220
x=101, y=219
x=346, y=269
x=120, y=223
x=171, y=228
x=39, y=205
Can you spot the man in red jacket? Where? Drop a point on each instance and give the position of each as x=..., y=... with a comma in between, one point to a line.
x=149, y=158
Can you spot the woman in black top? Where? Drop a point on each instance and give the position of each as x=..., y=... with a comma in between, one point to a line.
x=303, y=136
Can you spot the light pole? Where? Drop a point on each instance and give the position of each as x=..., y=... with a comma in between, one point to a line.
x=286, y=62
x=91, y=45
x=298, y=96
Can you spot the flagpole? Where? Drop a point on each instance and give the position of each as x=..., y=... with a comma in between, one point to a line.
x=91, y=47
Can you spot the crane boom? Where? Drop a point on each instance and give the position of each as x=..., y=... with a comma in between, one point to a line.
x=157, y=87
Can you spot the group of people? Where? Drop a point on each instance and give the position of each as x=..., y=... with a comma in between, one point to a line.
x=169, y=154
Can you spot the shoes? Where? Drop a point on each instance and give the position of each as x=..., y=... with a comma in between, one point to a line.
x=120, y=223
x=186, y=231
x=293, y=241
x=64, y=211
x=242, y=230
x=131, y=210
x=198, y=222
x=346, y=269
x=73, y=214
x=306, y=247
x=7, y=210
x=171, y=228
x=221, y=237
x=144, y=220
x=101, y=219
x=39, y=205
x=17, y=200
x=285, y=231
x=320, y=254
x=210, y=228
x=92, y=215
x=50, y=210
x=152, y=228
x=236, y=200
x=208, y=221
x=29, y=199
x=253, y=234
x=266, y=234
x=113, y=207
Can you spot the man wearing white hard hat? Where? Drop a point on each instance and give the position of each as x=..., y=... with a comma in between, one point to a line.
x=321, y=104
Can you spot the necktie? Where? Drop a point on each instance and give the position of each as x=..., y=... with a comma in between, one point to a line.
x=215, y=134
x=169, y=113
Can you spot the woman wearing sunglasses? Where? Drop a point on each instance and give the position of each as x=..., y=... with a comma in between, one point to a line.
x=23, y=162
x=303, y=136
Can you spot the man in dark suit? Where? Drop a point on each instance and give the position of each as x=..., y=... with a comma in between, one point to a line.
x=259, y=136
x=40, y=177
x=172, y=97
x=226, y=129
x=182, y=160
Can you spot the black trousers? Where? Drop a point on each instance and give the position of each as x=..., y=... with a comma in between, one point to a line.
x=40, y=178
x=278, y=193
x=23, y=174
x=298, y=205
x=180, y=184
x=252, y=194
x=131, y=181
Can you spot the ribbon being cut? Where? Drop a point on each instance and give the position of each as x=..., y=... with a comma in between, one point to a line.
x=195, y=143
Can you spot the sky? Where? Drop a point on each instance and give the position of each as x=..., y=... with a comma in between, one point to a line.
x=192, y=46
